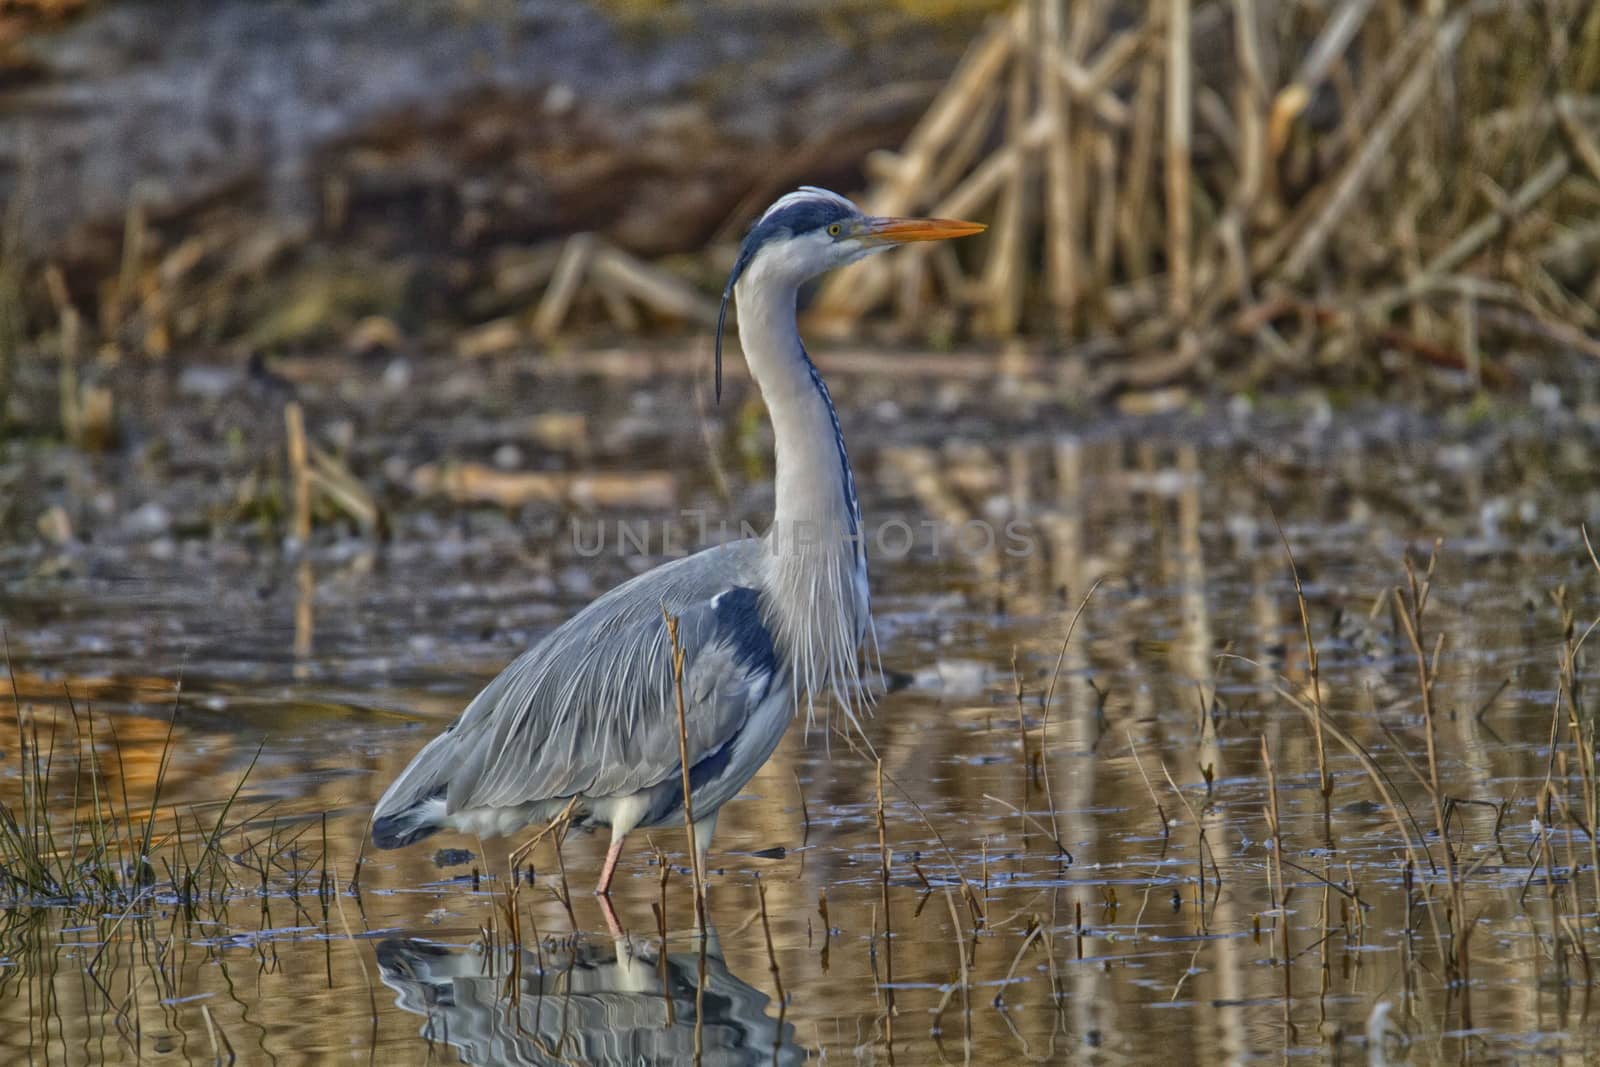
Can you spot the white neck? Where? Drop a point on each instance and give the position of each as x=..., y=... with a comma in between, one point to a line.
x=813, y=479
x=816, y=574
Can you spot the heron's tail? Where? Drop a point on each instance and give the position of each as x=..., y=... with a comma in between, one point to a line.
x=414, y=804
x=401, y=828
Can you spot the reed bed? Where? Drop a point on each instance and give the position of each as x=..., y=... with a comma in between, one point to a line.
x=1246, y=192
x=1228, y=193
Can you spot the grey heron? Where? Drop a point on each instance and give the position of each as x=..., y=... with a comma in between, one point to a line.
x=585, y=723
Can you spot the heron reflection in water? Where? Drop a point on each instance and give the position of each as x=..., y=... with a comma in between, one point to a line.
x=585, y=1002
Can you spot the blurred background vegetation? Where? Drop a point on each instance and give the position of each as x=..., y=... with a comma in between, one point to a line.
x=1185, y=197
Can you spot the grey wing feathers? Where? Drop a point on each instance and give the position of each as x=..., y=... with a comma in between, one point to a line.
x=591, y=709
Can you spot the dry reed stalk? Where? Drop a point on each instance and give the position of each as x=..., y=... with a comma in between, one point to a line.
x=69, y=346
x=1313, y=666
x=1044, y=722
x=576, y=255
x=1139, y=172
x=338, y=486
x=1586, y=749
x=1281, y=899
x=1005, y=273
x=1250, y=96
x=805, y=812
x=1471, y=241
x=1029, y=819
x=1202, y=851
x=1061, y=248
x=135, y=234
x=1022, y=726
x=1375, y=149
x=772, y=953
x=1035, y=928
x=305, y=610
x=1104, y=228
x=888, y=924
x=294, y=424
x=965, y=980
x=973, y=905
x=1337, y=33
x=683, y=764
x=1180, y=111
x=848, y=293
x=627, y=276
x=1411, y=618
x=555, y=826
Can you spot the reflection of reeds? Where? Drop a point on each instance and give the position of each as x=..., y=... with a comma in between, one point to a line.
x=102, y=850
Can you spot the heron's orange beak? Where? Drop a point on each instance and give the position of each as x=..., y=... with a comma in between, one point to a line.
x=899, y=231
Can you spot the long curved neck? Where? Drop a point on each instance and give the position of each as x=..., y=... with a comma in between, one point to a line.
x=815, y=487
x=816, y=574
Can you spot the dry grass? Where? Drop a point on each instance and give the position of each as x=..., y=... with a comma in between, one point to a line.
x=1178, y=192
x=1261, y=189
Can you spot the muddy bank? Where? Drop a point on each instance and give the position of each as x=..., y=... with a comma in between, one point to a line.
x=538, y=115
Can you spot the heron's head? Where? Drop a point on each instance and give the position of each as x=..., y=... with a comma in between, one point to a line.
x=811, y=230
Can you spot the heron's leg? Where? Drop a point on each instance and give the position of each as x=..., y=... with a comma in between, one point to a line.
x=612, y=855
x=612, y=925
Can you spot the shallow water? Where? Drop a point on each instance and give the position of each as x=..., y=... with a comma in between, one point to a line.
x=340, y=661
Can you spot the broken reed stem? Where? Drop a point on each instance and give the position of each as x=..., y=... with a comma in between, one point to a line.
x=1313, y=666
x=1060, y=848
x=1049, y=699
x=772, y=953
x=888, y=925
x=805, y=812
x=961, y=962
x=1411, y=617
x=1022, y=725
x=1586, y=742
x=683, y=764
x=973, y=904
x=1161, y=813
x=1036, y=929
x=1281, y=899
x=1202, y=850
x=1179, y=111
x=1061, y=258
x=294, y=425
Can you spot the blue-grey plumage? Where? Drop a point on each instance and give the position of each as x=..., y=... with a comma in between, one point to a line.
x=586, y=720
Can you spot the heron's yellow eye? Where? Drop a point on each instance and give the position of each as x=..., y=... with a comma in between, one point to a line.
x=835, y=230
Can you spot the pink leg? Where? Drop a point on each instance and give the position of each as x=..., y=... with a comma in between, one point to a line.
x=612, y=855
x=612, y=925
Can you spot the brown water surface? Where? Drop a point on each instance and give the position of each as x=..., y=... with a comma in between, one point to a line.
x=339, y=662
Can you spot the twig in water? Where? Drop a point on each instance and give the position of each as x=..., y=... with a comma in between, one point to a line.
x=1161, y=813
x=888, y=925
x=1049, y=699
x=1324, y=782
x=772, y=955
x=1041, y=826
x=1036, y=928
x=805, y=812
x=683, y=766
x=1281, y=899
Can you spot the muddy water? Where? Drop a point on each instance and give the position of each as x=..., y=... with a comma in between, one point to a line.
x=1183, y=671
